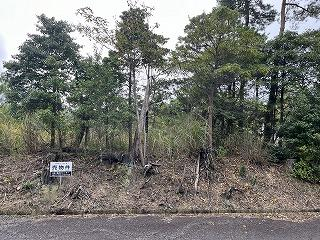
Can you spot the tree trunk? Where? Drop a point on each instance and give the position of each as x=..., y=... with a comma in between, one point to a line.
x=52, y=135
x=229, y=128
x=257, y=91
x=54, y=120
x=86, y=137
x=210, y=117
x=271, y=109
x=234, y=89
x=282, y=103
x=282, y=91
x=140, y=141
x=107, y=136
x=230, y=90
x=283, y=17
x=256, y=115
x=146, y=134
x=130, y=111
x=80, y=135
x=241, y=98
x=135, y=150
x=247, y=12
x=222, y=126
x=60, y=138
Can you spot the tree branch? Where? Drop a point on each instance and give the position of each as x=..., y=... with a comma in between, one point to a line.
x=298, y=6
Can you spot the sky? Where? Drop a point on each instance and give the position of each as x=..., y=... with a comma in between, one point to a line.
x=18, y=18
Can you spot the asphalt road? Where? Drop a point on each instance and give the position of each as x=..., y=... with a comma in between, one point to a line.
x=154, y=227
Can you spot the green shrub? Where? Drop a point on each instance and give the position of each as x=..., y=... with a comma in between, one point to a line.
x=305, y=171
x=242, y=171
x=253, y=181
x=28, y=185
x=279, y=153
x=221, y=152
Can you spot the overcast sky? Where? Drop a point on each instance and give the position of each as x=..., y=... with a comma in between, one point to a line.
x=18, y=17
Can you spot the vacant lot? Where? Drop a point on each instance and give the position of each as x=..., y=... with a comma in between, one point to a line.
x=97, y=187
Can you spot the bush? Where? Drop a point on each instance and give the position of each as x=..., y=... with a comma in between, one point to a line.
x=242, y=171
x=28, y=185
x=305, y=171
x=279, y=154
x=221, y=152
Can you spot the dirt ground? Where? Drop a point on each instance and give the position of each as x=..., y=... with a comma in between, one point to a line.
x=96, y=187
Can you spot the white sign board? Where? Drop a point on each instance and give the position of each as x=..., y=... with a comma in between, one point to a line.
x=60, y=169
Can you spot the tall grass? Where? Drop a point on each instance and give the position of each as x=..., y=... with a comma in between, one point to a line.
x=181, y=135
x=20, y=135
x=169, y=137
x=11, y=134
x=247, y=146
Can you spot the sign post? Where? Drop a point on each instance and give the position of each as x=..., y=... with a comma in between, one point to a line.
x=60, y=169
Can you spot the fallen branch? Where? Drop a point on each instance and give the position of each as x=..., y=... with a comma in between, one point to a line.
x=62, y=199
x=79, y=193
x=145, y=182
x=228, y=193
x=74, y=193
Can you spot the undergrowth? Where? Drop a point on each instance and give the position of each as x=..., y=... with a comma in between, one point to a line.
x=182, y=135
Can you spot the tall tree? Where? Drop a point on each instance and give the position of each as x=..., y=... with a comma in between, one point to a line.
x=138, y=47
x=296, y=11
x=213, y=51
x=96, y=96
x=254, y=13
x=39, y=75
x=129, y=39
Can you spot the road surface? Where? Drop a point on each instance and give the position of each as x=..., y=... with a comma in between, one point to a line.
x=154, y=227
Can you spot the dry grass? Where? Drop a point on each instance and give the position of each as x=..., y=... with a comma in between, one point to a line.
x=247, y=146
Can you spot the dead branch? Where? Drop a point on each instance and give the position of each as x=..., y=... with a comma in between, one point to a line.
x=145, y=182
x=62, y=199
x=228, y=193
x=197, y=176
x=79, y=193
x=74, y=193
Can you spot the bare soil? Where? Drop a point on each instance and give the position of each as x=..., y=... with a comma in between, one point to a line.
x=96, y=187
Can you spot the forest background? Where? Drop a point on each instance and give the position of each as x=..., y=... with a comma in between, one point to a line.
x=225, y=90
